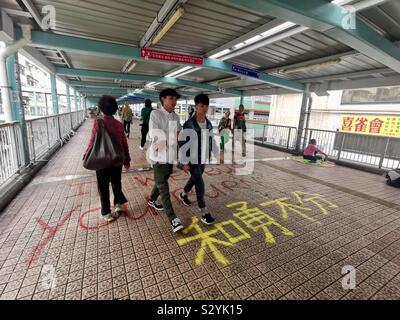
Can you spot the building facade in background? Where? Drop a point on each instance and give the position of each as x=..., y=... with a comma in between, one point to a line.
x=36, y=91
x=367, y=111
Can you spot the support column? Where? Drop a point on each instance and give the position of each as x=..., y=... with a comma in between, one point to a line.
x=308, y=117
x=187, y=109
x=75, y=101
x=14, y=88
x=78, y=100
x=35, y=103
x=17, y=107
x=54, y=101
x=68, y=98
x=54, y=98
x=300, y=128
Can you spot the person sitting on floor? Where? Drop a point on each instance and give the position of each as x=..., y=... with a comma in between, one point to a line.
x=310, y=153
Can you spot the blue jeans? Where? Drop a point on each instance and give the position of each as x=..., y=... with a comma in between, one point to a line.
x=196, y=179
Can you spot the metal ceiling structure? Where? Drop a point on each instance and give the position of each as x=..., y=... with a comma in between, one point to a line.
x=290, y=43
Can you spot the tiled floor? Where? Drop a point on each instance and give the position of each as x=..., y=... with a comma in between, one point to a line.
x=284, y=232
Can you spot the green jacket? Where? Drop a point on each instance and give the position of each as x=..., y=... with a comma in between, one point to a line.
x=145, y=115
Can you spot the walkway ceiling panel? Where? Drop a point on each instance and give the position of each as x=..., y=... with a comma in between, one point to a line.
x=387, y=17
x=208, y=24
x=302, y=47
x=83, y=61
x=118, y=21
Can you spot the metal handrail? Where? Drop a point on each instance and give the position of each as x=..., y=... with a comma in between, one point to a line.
x=42, y=134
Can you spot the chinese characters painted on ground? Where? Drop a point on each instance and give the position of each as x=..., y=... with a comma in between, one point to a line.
x=256, y=220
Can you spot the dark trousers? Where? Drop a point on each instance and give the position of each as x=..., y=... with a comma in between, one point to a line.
x=196, y=180
x=312, y=158
x=145, y=131
x=127, y=127
x=162, y=172
x=104, y=177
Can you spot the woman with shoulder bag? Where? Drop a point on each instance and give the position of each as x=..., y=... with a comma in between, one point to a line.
x=107, y=152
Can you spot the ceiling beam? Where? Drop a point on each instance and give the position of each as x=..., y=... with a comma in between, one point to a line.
x=91, y=84
x=102, y=91
x=37, y=58
x=341, y=55
x=144, y=78
x=19, y=13
x=74, y=44
x=268, y=92
x=330, y=19
x=369, y=72
x=356, y=84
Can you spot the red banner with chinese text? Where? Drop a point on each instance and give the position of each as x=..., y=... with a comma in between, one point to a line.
x=170, y=56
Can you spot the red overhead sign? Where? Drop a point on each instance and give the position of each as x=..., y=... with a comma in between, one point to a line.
x=170, y=56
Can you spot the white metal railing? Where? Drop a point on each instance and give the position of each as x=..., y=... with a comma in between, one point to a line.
x=365, y=150
x=275, y=135
x=42, y=135
x=374, y=151
x=10, y=156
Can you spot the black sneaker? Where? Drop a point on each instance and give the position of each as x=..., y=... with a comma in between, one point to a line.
x=176, y=225
x=155, y=205
x=185, y=200
x=207, y=219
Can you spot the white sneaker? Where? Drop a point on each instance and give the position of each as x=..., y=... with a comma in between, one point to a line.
x=176, y=225
x=141, y=148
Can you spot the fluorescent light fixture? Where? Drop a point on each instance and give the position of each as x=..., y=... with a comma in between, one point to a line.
x=153, y=84
x=171, y=21
x=341, y=2
x=266, y=34
x=174, y=73
x=187, y=72
x=311, y=66
x=220, y=54
x=239, y=45
x=277, y=29
x=253, y=39
x=133, y=65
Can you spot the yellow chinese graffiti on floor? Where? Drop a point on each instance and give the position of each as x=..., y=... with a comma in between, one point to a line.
x=256, y=220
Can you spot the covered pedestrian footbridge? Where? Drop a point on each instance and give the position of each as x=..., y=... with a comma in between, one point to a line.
x=284, y=231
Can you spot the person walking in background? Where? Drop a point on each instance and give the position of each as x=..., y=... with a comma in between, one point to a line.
x=224, y=128
x=127, y=117
x=239, y=123
x=191, y=112
x=145, y=118
x=108, y=106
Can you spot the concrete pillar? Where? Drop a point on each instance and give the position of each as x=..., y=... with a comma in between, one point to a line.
x=18, y=111
x=35, y=104
x=68, y=98
x=75, y=101
x=54, y=98
x=300, y=127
